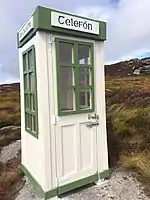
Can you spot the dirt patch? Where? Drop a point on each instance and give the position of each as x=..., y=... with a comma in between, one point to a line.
x=8, y=135
x=11, y=181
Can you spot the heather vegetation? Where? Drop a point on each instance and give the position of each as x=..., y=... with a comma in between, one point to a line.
x=128, y=124
x=128, y=128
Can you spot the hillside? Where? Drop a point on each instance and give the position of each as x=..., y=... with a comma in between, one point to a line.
x=129, y=68
x=128, y=125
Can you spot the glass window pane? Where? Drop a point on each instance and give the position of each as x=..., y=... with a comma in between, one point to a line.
x=31, y=59
x=66, y=76
x=33, y=123
x=25, y=62
x=84, y=76
x=27, y=120
x=26, y=83
x=67, y=99
x=32, y=102
x=27, y=102
x=31, y=81
x=66, y=55
x=84, y=55
x=85, y=99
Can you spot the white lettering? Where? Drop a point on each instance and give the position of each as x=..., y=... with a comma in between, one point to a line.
x=74, y=23
x=25, y=29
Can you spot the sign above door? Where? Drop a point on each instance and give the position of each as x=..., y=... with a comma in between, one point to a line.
x=74, y=23
x=61, y=23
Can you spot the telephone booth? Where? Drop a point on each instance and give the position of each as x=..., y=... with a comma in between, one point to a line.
x=63, y=115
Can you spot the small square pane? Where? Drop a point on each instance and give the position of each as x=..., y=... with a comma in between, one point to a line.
x=33, y=121
x=31, y=59
x=84, y=78
x=66, y=55
x=27, y=120
x=27, y=107
x=84, y=55
x=32, y=102
x=26, y=83
x=32, y=81
x=85, y=99
x=25, y=62
x=66, y=76
x=67, y=99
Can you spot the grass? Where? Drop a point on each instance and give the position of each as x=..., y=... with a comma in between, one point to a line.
x=10, y=174
x=8, y=135
x=128, y=125
x=128, y=128
x=9, y=108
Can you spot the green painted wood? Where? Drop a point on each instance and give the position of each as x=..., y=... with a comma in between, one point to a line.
x=42, y=21
x=77, y=184
x=65, y=188
x=28, y=112
x=45, y=195
x=76, y=86
x=105, y=174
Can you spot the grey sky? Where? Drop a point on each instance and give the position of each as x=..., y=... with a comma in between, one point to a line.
x=128, y=27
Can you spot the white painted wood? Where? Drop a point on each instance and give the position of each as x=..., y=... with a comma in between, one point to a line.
x=45, y=86
x=100, y=107
x=66, y=150
x=75, y=142
x=76, y=149
x=33, y=150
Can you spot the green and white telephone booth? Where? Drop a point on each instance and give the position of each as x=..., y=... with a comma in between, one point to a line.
x=63, y=116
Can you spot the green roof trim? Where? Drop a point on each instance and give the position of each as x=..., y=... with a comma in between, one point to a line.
x=61, y=23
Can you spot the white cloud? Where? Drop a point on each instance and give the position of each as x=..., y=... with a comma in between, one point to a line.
x=128, y=27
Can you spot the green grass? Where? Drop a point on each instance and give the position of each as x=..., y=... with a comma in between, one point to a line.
x=9, y=108
x=128, y=125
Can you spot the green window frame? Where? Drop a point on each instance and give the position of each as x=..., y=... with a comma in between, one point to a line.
x=30, y=91
x=75, y=86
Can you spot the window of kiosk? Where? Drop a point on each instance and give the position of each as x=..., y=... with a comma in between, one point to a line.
x=30, y=94
x=75, y=77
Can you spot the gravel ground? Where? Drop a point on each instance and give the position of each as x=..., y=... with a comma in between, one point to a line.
x=121, y=186
x=10, y=127
x=10, y=151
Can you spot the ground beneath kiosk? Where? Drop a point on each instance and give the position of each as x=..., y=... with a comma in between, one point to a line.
x=121, y=186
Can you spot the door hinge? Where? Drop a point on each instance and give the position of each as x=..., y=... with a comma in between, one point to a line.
x=54, y=119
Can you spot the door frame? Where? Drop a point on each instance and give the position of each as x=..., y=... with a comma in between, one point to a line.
x=102, y=154
x=94, y=177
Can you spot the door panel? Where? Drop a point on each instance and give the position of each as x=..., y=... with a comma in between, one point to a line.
x=76, y=144
x=87, y=146
x=69, y=149
x=76, y=149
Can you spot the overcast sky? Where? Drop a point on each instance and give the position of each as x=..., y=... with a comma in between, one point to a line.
x=128, y=26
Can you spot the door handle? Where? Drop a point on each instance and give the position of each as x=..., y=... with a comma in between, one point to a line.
x=91, y=124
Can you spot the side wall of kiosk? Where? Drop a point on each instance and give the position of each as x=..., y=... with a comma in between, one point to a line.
x=38, y=155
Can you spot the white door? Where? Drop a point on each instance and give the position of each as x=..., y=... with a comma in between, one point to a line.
x=76, y=121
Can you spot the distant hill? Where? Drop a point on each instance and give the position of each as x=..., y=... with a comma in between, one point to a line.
x=5, y=88
x=128, y=68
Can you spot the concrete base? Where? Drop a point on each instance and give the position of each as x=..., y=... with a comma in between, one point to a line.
x=54, y=198
x=102, y=182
